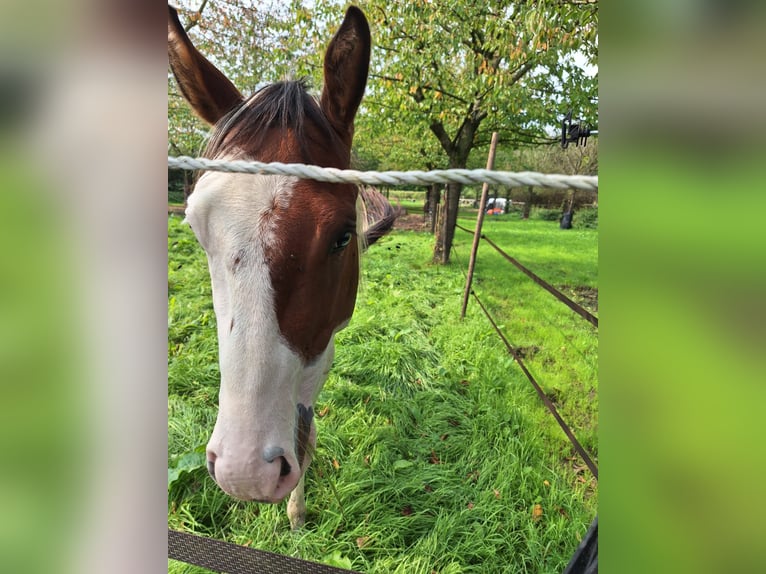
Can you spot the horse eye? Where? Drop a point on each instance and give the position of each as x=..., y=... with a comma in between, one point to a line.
x=342, y=242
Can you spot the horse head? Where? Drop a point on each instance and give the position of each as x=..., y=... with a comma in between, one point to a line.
x=282, y=252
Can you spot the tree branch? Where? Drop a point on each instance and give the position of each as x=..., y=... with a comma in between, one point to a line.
x=431, y=88
x=441, y=134
x=446, y=93
x=175, y=147
x=525, y=67
x=195, y=21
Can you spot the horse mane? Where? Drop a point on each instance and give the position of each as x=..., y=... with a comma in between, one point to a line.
x=285, y=105
x=377, y=215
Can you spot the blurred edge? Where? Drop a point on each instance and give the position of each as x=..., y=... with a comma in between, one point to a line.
x=83, y=286
x=83, y=279
x=683, y=285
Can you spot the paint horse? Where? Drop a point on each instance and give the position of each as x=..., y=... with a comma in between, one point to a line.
x=283, y=257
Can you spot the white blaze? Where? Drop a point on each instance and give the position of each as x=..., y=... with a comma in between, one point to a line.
x=262, y=378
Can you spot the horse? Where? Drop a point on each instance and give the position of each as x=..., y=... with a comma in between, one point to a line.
x=283, y=255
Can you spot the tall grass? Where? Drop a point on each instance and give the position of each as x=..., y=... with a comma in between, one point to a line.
x=434, y=453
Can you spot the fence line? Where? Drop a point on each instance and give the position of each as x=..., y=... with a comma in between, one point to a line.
x=579, y=309
x=540, y=392
x=551, y=407
x=333, y=175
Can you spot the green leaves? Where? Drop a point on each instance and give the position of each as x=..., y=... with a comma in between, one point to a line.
x=338, y=560
x=444, y=61
x=187, y=463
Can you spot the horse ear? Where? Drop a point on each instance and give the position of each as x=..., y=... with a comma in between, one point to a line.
x=210, y=93
x=346, y=64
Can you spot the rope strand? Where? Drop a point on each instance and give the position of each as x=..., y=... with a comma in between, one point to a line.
x=333, y=175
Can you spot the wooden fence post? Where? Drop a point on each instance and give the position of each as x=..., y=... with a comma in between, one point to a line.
x=477, y=231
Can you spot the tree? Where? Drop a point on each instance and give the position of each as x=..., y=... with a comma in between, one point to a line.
x=463, y=69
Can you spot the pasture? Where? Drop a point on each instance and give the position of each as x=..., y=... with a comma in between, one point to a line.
x=434, y=453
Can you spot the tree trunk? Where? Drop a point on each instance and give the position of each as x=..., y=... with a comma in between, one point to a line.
x=528, y=203
x=432, y=205
x=446, y=231
x=457, y=151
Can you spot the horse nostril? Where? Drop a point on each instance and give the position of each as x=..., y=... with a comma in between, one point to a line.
x=211, y=468
x=272, y=453
x=285, y=470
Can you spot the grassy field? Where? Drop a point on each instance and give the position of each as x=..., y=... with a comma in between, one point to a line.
x=434, y=453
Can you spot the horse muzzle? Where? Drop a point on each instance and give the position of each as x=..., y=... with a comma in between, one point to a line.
x=269, y=475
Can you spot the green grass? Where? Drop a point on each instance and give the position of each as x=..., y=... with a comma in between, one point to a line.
x=412, y=206
x=433, y=449
x=404, y=195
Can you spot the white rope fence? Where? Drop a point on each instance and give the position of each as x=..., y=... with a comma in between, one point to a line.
x=332, y=175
